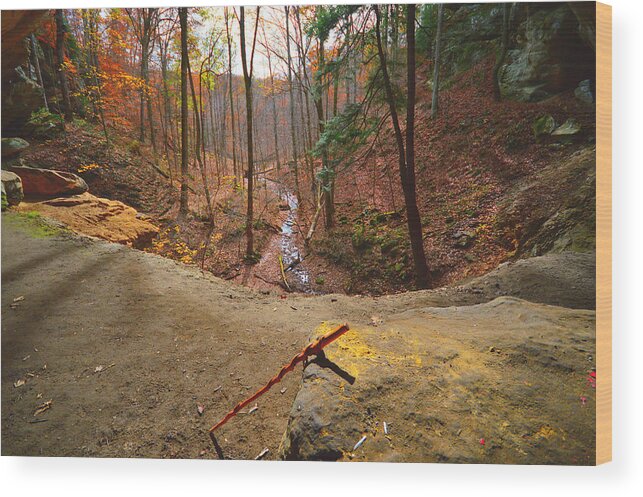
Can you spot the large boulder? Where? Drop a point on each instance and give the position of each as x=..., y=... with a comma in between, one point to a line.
x=107, y=219
x=471, y=33
x=11, y=188
x=49, y=183
x=505, y=382
x=551, y=56
x=555, y=209
x=16, y=26
x=21, y=96
x=13, y=147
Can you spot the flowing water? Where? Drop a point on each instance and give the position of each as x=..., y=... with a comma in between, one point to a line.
x=297, y=275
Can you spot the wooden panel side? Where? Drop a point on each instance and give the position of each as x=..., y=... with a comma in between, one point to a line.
x=603, y=233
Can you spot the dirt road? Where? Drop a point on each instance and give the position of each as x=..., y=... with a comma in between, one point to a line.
x=126, y=345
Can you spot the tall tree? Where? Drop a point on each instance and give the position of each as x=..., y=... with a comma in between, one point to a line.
x=272, y=98
x=35, y=51
x=94, y=48
x=199, y=146
x=145, y=22
x=183, y=20
x=436, y=64
x=230, y=89
x=322, y=29
x=406, y=152
x=247, y=81
x=60, y=64
x=291, y=102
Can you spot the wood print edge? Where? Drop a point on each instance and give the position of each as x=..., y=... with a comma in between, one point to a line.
x=603, y=233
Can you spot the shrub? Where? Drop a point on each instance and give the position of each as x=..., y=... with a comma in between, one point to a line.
x=134, y=147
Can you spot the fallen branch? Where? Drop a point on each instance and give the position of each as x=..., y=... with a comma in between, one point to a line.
x=313, y=348
x=270, y=282
x=283, y=273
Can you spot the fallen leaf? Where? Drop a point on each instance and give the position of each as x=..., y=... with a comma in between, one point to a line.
x=546, y=432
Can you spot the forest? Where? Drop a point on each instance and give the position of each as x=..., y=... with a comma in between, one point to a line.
x=243, y=111
x=304, y=160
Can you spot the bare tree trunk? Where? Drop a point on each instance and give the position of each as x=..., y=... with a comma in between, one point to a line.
x=329, y=207
x=144, y=77
x=293, y=134
x=406, y=156
x=436, y=64
x=273, y=101
x=167, y=108
x=183, y=19
x=198, y=130
x=307, y=123
x=313, y=224
x=247, y=79
x=232, y=128
x=36, y=63
x=60, y=64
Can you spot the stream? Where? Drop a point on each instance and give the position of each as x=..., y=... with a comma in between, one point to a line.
x=297, y=275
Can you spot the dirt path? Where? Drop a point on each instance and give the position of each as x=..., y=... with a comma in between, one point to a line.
x=126, y=345
x=173, y=335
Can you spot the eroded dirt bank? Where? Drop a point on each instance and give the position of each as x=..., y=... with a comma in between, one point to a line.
x=127, y=345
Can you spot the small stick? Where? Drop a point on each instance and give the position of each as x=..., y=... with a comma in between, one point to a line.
x=262, y=454
x=313, y=348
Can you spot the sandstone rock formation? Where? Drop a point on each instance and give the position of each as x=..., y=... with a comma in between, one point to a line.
x=501, y=382
x=102, y=218
x=551, y=56
x=49, y=183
